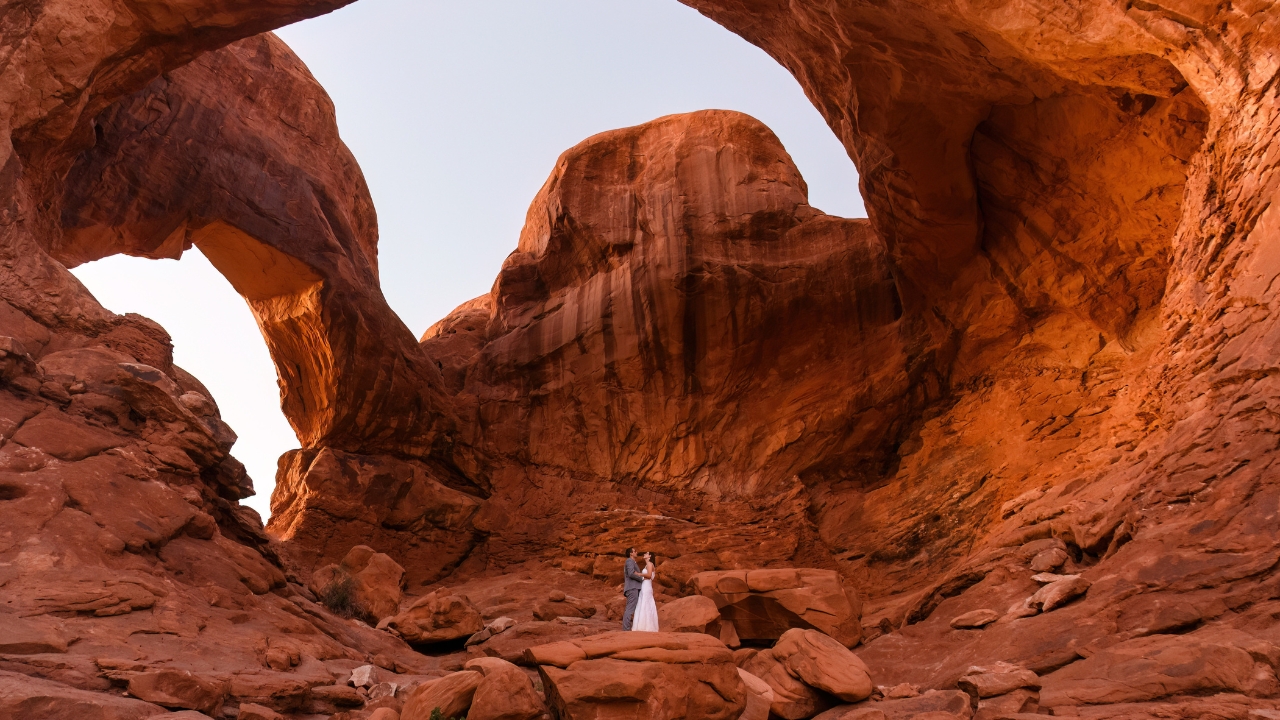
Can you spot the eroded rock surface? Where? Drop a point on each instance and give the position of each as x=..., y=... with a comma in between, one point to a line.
x=126, y=562
x=1034, y=384
x=654, y=675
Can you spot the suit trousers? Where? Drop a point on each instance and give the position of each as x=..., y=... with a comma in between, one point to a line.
x=633, y=598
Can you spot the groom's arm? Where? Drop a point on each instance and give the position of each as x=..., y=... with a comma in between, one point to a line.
x=633, y=570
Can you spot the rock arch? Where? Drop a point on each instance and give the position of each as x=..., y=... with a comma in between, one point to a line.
x=238, y=154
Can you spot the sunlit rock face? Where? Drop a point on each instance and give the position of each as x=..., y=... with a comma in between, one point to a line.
x=298, y=241
x=1023, y=410
x=677, y=316
x=125, y=559
x=1078, y=203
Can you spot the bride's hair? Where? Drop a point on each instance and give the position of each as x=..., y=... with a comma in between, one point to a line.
x=653, y=558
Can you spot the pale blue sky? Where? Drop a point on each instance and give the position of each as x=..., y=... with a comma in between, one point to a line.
x=457, y=112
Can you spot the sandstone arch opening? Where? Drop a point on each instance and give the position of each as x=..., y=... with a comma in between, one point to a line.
x=355, y=382
x=92, y=232
x=1080, y=473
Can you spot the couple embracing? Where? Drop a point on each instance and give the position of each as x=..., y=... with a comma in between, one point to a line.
x=637, y=586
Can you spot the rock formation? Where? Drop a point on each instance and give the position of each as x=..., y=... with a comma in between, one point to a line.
x=127, y=564
x=1018, y=421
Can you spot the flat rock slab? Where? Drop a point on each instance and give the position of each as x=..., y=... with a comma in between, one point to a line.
x=641, y=674
x=1157, y=666
x=764, y=604
x=22, y=696
x=31, y=636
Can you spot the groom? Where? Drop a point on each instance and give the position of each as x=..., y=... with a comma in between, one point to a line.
x=630, y=587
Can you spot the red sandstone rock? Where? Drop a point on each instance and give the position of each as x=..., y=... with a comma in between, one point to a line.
x=975, y=619
x=808, y=671
x=451, y=695
x=24, y=696
x=793, y=699
x=1017, y=702
x=1000, y=680
x=374, y=580
x=562, y=605
x=144, y=189
x=437, y=617
x=250, y=711
x=32, y=636
x=696, y=613
x=933, y=705
x=1148, y=668
x=1055, y=334
x=328, y=501
x=513, y=644
x=759, y=696
x=681, y=299
x=821, y=662
x=764, y=604
x=657, y=675
x=179, y=689
x=505, y=693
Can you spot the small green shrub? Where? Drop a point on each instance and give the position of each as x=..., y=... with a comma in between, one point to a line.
x=437, y=715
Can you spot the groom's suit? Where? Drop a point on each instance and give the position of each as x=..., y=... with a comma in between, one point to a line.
x=631, y=581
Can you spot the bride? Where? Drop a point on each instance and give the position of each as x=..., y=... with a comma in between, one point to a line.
x=646, y=611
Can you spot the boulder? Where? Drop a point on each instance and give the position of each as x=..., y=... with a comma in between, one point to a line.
x=899, y=691
x=372, y=582
x=179, y=689
x=792, y=698
x=821, y=662
x=342, y=696
x=437, y=617
x=1000, y=679
x=1049, y=560
x=975, y=619
x=1058, y=593
x=365, y=676
x=561, y=605
x=852, y=712
x=251, y=711
x=759, y=697
x=495, y=627
x=14, y=359
x=274, y=689
x=764, y=604
x=1022, y=700
x=451, y=694
x=378, y=581
x=505, y=693
x=652, y=675
x=696, y=613
x=808, y=671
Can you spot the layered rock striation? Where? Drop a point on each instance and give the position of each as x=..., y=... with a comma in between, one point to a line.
x=128, y=564
x=1017, y=421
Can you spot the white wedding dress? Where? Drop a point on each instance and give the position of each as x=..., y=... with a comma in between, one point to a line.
x=646, y=619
